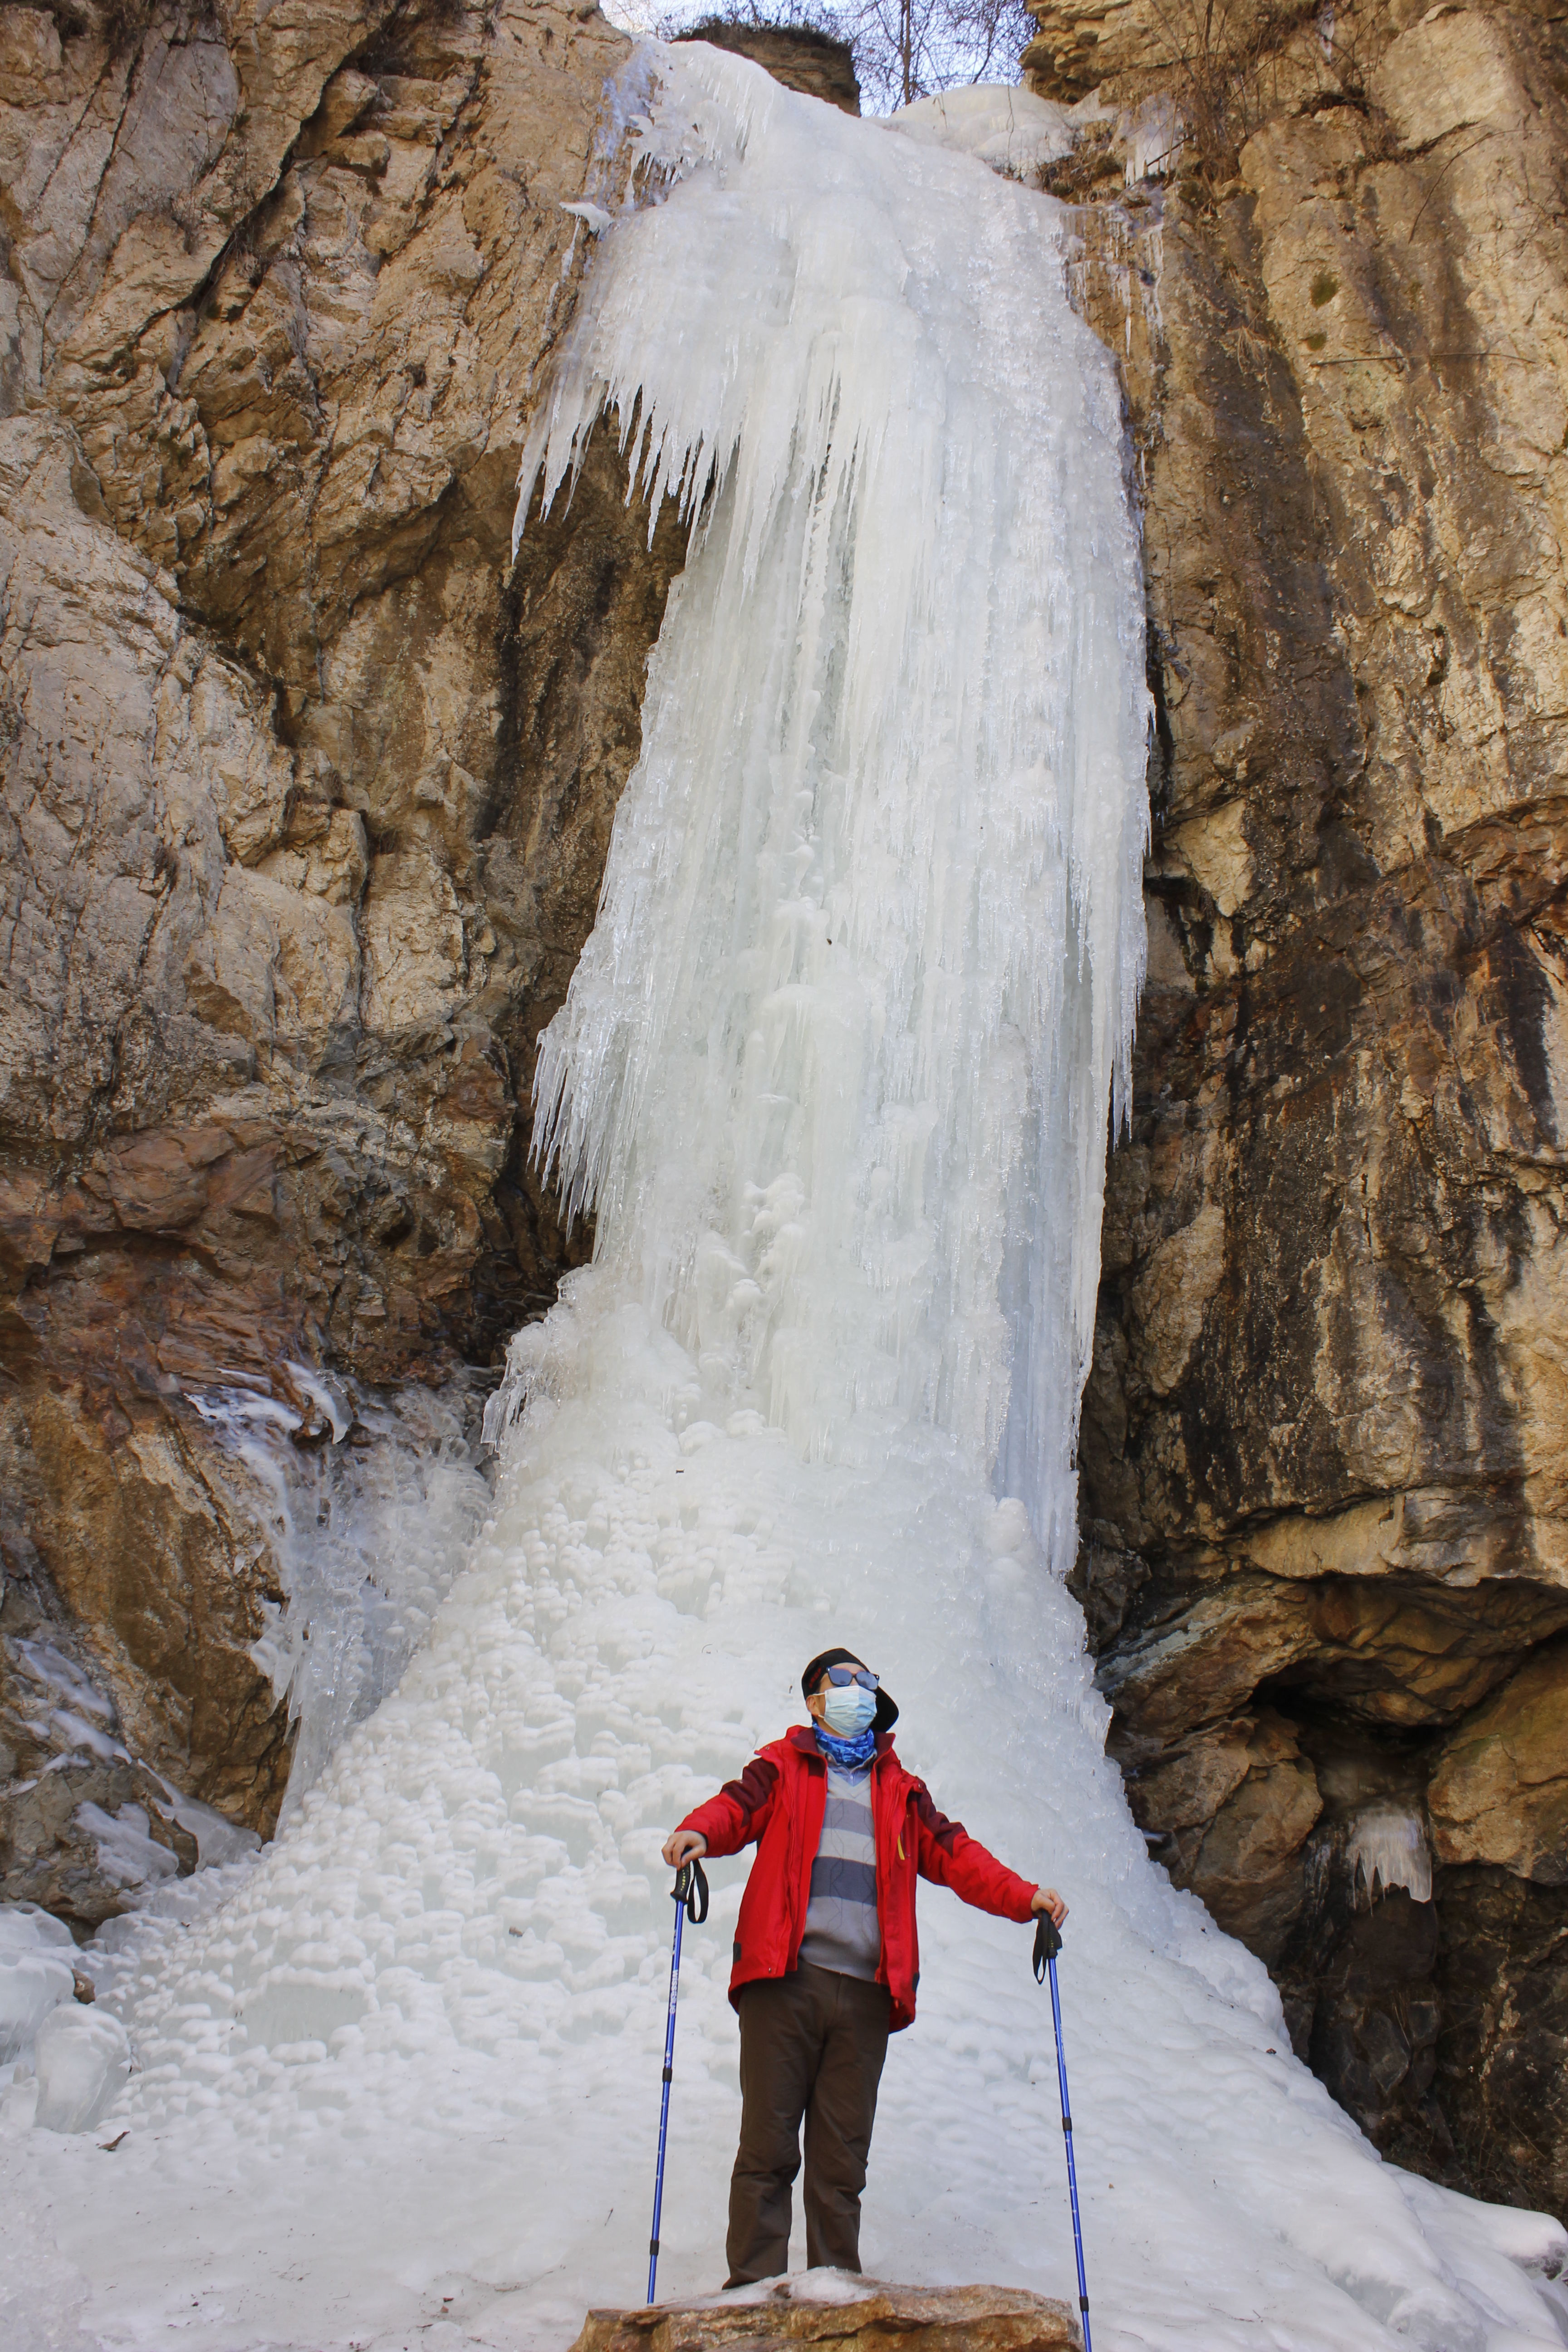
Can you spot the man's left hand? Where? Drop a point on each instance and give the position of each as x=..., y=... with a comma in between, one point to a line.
x=1048, y=1899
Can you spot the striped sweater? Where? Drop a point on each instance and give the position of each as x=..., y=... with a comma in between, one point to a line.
x=842, y=1930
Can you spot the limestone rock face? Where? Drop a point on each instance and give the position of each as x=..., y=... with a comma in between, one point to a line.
x=1081, y=46
x=1501, y=1982
x=1233, y=1812
x=306, y=791
x=1326, y=1433
x=1499, y=1790
x=864, y=2315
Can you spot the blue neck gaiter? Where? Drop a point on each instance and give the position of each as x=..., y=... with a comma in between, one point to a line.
x=850, y=1754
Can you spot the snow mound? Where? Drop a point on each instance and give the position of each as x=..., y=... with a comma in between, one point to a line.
x=1011, y=130
x=82, y=2060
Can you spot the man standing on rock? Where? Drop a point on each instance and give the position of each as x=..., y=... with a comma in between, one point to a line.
x=826, y=1957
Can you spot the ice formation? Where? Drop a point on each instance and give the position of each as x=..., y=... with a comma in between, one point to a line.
x=1387, y=1848
x=836, y=1073
x=1012, y=129
x=366, y=1541
x=871, y=933
x=61, y=2064
x=36, y=1973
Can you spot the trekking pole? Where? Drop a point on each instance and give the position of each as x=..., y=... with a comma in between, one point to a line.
x=1047, y=1944
x=691, y=1892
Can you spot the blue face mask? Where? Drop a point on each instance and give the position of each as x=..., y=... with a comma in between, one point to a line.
x=847, y=1710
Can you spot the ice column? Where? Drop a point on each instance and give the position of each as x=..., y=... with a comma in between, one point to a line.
x=835, y=1067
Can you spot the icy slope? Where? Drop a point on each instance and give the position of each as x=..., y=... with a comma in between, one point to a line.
x=836, y=1072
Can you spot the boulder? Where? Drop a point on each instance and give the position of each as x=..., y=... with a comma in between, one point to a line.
x=829, y=2308
x=1233, y=1810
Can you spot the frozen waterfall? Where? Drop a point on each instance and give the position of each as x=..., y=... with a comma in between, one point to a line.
x=836, y=1075
x=835, y=1067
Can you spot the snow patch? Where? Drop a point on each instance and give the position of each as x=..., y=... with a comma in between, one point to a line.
x=128, y=1856
x=1011, y=130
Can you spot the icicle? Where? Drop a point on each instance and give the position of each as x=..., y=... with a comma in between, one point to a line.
x=1387, y=1848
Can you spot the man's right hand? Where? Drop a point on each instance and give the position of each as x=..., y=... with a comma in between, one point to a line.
x=681, y=1844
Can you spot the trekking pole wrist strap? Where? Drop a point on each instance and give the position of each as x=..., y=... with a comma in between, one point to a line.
x=692, y=1888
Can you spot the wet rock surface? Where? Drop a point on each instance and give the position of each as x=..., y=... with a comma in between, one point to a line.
x=1501, y=1986
x=306, y=789
x=1323, y=1557
x=867, y=2317
x=84, y=1826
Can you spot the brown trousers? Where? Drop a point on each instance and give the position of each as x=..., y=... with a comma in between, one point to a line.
x=811, y=2044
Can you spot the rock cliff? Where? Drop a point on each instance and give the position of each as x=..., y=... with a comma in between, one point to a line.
x=306, y=801
x=1325, y=1558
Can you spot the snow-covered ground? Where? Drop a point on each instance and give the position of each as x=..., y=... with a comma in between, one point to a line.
x=836, y=1071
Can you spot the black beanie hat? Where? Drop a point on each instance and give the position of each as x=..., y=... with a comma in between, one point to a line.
x=887, y=1714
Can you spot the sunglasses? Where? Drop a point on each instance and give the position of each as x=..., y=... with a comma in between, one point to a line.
x=841, y=1676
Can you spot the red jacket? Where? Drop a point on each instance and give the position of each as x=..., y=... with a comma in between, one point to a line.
x=779, y=1800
